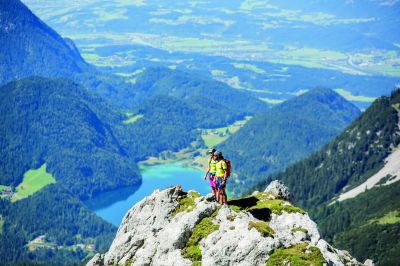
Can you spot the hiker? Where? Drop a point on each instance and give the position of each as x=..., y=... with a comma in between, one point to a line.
x=221, y=174
x=211, y=172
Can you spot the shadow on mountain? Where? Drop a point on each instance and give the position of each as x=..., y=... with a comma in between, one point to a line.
x=106, y=199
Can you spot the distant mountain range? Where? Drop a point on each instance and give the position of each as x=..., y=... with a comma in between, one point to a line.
x=367, y=223
x=273, y=48
x=280, y=136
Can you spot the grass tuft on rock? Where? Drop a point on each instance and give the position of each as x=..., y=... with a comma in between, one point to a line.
x=297, y=255
x=192, y=249
x=262, y=227
x=299, y=229
x=263, y=200
x=129, y=262
x=187, y=203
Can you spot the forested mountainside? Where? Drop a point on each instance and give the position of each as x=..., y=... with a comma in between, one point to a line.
x=368, y=223
x=278, y=137
x=164, y=81
x=58, y=122
x=363, y=146
x=51, y=227
x=30, y=47
x=168, y=123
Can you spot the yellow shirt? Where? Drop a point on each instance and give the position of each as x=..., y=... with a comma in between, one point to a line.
x=212, y=164
x=221, y=168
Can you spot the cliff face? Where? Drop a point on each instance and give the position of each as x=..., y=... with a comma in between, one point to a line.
x=171, y=227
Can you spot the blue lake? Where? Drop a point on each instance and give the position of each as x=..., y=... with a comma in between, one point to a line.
x=113, y=205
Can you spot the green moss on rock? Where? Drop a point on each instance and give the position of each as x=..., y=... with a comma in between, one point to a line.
x=192, y=249
x=187, y=203
x=236, y=209
x=297, y=255
x=231, y=218
x=262, y=227
x=300, y=229
x=129, y=262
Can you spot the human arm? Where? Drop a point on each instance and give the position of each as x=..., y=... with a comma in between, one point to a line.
x=225, y=167
x=208, y=170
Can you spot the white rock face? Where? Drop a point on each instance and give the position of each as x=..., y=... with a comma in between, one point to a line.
x=278, y=188
x=151, y=235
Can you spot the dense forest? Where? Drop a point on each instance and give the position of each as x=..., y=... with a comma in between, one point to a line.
x=366, y=225
x=164, y=81
x=363, y=146
x=58, y=122
x=275, y=138
x=168, y=123
x=30, y=47
x=61, y=217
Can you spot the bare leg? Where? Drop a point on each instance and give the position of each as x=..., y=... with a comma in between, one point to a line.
x=218, y=195
x=224, y=197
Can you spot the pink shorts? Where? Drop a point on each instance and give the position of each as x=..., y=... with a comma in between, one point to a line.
x=212, y=180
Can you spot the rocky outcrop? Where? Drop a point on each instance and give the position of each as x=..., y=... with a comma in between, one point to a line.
x=171, y=227
x=278, y=188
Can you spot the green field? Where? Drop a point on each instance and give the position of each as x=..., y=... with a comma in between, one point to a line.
x=34, y=180
x=249, y=67
x=104, y=14
x=213, y=137
x=1, y=224
x=211, y=140
x=350, y=97
x=392, y=217
x=133, y=119
x=3, y=187
x=272, y=101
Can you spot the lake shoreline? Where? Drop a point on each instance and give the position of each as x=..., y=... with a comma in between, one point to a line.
x=112, y=205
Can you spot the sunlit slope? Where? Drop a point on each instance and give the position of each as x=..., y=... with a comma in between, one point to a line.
x=276, y=138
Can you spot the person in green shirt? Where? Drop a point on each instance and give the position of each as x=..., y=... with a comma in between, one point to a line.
x=211, y=170
x=221, y=176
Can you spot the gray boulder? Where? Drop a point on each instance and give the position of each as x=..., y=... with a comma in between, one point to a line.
x=278, y=188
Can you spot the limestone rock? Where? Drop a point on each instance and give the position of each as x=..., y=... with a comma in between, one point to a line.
x=171, y=227
x=278, y=188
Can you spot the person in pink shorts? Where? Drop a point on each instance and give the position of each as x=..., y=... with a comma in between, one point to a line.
x=211, y=170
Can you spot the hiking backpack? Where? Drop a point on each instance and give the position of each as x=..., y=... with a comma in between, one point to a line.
x=228, y=167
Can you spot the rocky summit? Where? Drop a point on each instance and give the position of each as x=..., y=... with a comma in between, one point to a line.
x=173, y=227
